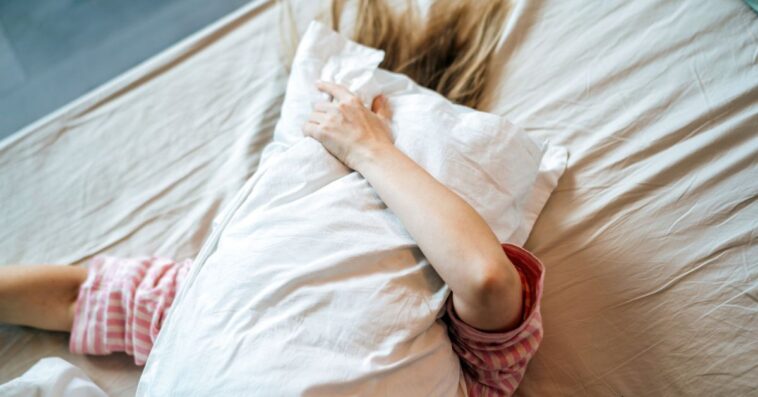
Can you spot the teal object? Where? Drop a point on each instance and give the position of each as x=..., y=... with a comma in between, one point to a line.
x=753, y=4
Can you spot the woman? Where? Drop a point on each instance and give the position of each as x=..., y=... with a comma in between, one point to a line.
x=490, y=314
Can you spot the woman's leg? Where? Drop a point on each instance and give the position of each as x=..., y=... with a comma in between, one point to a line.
x=40, y=296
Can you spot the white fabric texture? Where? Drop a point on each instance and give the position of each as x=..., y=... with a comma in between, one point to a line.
x=648, y=239
x=52, y=377
x=309, y=271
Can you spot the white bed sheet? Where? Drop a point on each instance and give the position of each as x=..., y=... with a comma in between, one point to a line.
x=649, y=239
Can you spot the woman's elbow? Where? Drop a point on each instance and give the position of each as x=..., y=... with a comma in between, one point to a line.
x=500, y=295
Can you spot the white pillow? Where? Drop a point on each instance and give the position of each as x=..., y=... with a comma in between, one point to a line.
x=309, y=284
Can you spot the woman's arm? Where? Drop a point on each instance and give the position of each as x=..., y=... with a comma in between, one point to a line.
x=454, y=238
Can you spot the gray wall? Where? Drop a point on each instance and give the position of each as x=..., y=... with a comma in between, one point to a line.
x=53, y=51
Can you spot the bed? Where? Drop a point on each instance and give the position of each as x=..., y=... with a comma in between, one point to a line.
x=648, y=240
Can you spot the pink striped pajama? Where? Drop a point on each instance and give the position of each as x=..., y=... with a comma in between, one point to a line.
x=122, y=304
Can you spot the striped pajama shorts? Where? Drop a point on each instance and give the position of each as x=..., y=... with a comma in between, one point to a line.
x=121, y=305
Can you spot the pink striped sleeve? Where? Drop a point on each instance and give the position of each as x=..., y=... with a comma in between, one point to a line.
x=494, y=363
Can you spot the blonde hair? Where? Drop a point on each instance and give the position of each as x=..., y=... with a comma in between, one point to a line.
x=452, y=52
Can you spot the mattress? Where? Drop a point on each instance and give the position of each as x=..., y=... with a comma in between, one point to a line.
x=648, y=240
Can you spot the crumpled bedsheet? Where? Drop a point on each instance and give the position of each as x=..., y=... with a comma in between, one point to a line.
x=649, y=239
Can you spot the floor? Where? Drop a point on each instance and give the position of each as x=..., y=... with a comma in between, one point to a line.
x=53, y=51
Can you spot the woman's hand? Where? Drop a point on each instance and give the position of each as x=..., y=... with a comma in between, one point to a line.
x=346, y=128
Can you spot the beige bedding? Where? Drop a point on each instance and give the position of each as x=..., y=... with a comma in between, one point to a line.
x=649, y=239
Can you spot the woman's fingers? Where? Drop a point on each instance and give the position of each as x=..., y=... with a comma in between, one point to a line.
x=346, y=126
x=381, y=106
x=311, y=129
x=318, y=117
x=341, y=93
x=324, y=107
